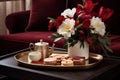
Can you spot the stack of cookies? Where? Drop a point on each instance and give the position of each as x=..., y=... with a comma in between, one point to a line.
x=64, y=60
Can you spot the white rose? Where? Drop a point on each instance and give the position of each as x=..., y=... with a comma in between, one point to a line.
x=67, y=28
x=98, y=25
x=68, y=12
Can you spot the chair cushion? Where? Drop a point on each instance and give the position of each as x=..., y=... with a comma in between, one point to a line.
x=41, y=10
x=28, y=37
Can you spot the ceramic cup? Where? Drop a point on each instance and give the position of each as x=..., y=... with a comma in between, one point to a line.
x=34, y=56
x=42, y=47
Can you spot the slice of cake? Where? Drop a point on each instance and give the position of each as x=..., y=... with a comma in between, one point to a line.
x=78, y=60
x=67, y=62
x=50, y=61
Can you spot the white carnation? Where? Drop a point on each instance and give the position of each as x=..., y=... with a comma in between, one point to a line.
x=67, y=28
x=98, y=25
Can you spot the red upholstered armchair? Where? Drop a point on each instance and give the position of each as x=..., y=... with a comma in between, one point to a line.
x=31, y=26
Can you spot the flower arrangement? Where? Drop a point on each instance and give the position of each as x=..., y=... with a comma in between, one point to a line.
x=83, y=24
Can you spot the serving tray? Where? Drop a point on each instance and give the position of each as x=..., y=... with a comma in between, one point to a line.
x=22, y=58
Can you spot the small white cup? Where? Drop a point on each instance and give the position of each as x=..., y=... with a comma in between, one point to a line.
x=34, y=56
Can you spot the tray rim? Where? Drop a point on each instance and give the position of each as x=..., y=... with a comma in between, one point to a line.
x=88, y=66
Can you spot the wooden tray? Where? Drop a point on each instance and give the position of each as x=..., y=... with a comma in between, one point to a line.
x=22, y=58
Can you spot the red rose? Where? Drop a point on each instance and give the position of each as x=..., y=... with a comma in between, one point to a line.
x=86, y=16
x=59, y=21
x=86, y=23
x=51, y=24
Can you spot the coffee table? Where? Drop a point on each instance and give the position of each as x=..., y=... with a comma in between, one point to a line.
x=107, y=69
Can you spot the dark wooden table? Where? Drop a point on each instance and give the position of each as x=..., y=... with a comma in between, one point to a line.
x=108, y=69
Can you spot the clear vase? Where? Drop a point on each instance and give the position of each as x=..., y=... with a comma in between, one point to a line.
x=76, y=50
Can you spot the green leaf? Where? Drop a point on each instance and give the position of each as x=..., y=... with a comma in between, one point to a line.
x=51, y=18
x=57, y=39
x=104, y=44
x=73, y=43
x=66, y=44
x=101, y=40
x=83, y=1
x=108, y=48
x=82, y=44
x=54, y=36
x=108, y=42
x=80, y=5
x=104, y=50
x=80, y=15
x=79, y=26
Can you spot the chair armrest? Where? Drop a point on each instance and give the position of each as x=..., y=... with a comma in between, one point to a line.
x=17, y=22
